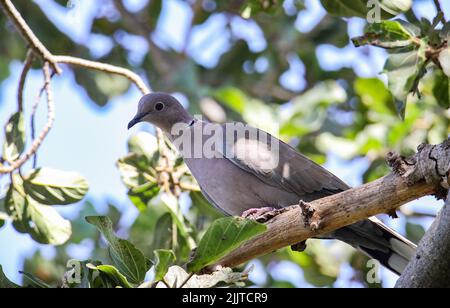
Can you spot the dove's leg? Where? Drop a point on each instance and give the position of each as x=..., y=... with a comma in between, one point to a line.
x=257, y=212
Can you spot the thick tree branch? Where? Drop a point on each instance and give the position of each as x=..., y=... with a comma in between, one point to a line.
x=430, y=267
x=421, y=175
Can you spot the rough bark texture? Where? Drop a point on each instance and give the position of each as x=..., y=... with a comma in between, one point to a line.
x=425, y=173
x=430, y=268
x=325, y=215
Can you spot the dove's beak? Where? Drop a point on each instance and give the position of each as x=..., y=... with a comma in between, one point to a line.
x=135, y=121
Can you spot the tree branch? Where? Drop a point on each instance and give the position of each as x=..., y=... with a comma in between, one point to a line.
x=35, y=44
x=430, y=267
x=107, y=68
x=23, y=76
x=51, y=60
x=50, y=119
x=418, y=176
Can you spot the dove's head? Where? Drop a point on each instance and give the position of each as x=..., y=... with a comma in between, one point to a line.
x=162, y=110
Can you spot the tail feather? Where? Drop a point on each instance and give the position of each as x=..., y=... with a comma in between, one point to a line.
x=379, y=242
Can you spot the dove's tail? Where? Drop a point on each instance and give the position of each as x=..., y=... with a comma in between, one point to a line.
x=379, y=242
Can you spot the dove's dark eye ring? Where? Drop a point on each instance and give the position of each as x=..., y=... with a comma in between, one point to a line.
x=159, y=106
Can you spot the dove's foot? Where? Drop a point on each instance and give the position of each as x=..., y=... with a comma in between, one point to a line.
x=262, y=215
x=299, y=247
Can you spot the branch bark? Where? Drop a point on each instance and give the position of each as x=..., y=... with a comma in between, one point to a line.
x=426, y=173
x=430, y=267
x=39, y=49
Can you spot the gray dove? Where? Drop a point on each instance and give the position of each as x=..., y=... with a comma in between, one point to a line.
x=249, y=172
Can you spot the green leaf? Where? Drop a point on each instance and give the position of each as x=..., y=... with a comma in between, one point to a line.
x=48, y=226
x=414, y=232
x=163, y=259
x=162, y=236
x=143, y=143
x=140, y=177
x=172, y=205
x=14, y=137
x=130, y=261
x=15, y=204
x=320, y=267
x=222, y=237
x=43, y=223
x=231, y=97
x=346, y=8
x=387, y=34
x=310, y=110
x=113, y=273
x=375, y=95
x=54, y=187
x=441, y=89
x=5, y=283
x=36, y=282
x=403, y=71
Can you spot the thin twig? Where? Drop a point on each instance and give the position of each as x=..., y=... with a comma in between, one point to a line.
x=34, y=108
x=439, y=8
x=23, y=76
x=50, y=119
x=52, y=60
x=108, y=68
x=28, y=34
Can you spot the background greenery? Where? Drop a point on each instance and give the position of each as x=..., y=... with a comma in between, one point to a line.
x=234, y=60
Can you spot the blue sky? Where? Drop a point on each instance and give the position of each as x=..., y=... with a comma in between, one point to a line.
x=89, y=139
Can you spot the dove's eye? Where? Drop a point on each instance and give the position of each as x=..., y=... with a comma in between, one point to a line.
x=159, y=106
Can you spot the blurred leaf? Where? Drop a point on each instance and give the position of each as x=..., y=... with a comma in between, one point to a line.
x=47, y=227
x=199, y=201
x=320, y=267
x=414, y=232
x=5, y=283
x=377, y=169
x=388, y=34
x=36, y=282
x=43, y=223
x=231, y=97
x=81, y=230
x=252, y=7
x=359, y=262
x=346, y=8
x=136, y=171
x=441, y=89
x=172, y=205
x=55, y=187
x=14, y=143
x=163, y=260
x=375, y=95
x=154, y=10
x=310, y=110
x=162, y=234
x=143, y=143
x=15, y=205
x=114, y=274
x=222, y=237
x=403, y=69
x=129, y=260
